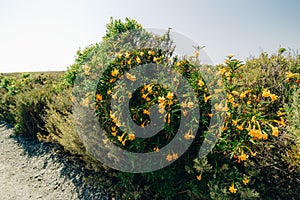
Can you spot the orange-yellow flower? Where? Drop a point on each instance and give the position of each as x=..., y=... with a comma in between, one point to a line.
x=144, y=96
x=138, y=60
x=243, y=94
x=279, y=113
x=290, y=75
x=266, y=93
x=155, y=59
x=170, y=95
x=222, y=70
x=169, y=157
x=189, y=135
x=281, y=122
x=130, y=77
x=115, y=73
x=206, y=98
x=175, y=156
x=201, y=83
x=245, y=181
x=161, y=99
x=275, y=131
x=242, y=157
x=199, y=177
x=235, y=93
x=240, y=127
x=156, y=149
x=232, y=189
x=146, y=112
x=131, y=136
x=99, y=97
x=190, y=104
x=273, y=97
x=151, y=53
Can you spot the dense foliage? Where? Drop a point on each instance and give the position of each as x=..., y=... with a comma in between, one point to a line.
x=256, y=156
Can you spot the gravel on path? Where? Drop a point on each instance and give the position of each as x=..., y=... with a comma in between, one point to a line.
x=30, y=169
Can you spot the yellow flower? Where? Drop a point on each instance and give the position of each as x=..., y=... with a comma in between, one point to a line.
x=146, y=112
x=235, y=122
x=190, y=104
x=120, y=138
x=201, y=83
x=138, y=60
x=273, y=97
x=199, y=177
x=206, y=98
x=242, y=157
x=281, y=122
x=115, y=72
x=149, y=88
x=275, y=131
x=177, y=64
x=222, y=70
x=169, y=157
x=127, y=55
x=113, y=128
x=151, y=53
x=230, y=56
x=290, y=75
x=123, y=142
x=131, y=136
x=170, y=95
x=184, y=112
x=129, y=62
x=249, y=102
x=232, y=189
x=266, y=93
x=210, y=115
x=175, y=156
x=279, y=113
x=161, y=100
x=144, y=96
x=130, y=77
x=141, y=53
x=161, y=110
x=235, y=93
x=86, y=69
x=189, y=135
x=99, y=97
x=156, y=149
x=118, y=55
x=155, y=59
x=245, y=181
x=243, y=94
x=196, y=53
x=253, y=154
x=240, y=127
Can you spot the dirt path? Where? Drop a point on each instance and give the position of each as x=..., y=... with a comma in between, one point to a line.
x=32, y=170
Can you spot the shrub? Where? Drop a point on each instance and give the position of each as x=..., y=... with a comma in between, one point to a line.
x=30, y=107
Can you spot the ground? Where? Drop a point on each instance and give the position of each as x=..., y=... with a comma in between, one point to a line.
x=33, y=170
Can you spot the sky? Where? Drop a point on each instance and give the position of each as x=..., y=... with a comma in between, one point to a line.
x=44, y=35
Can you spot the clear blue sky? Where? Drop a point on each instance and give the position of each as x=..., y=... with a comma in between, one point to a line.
x=39, y=35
